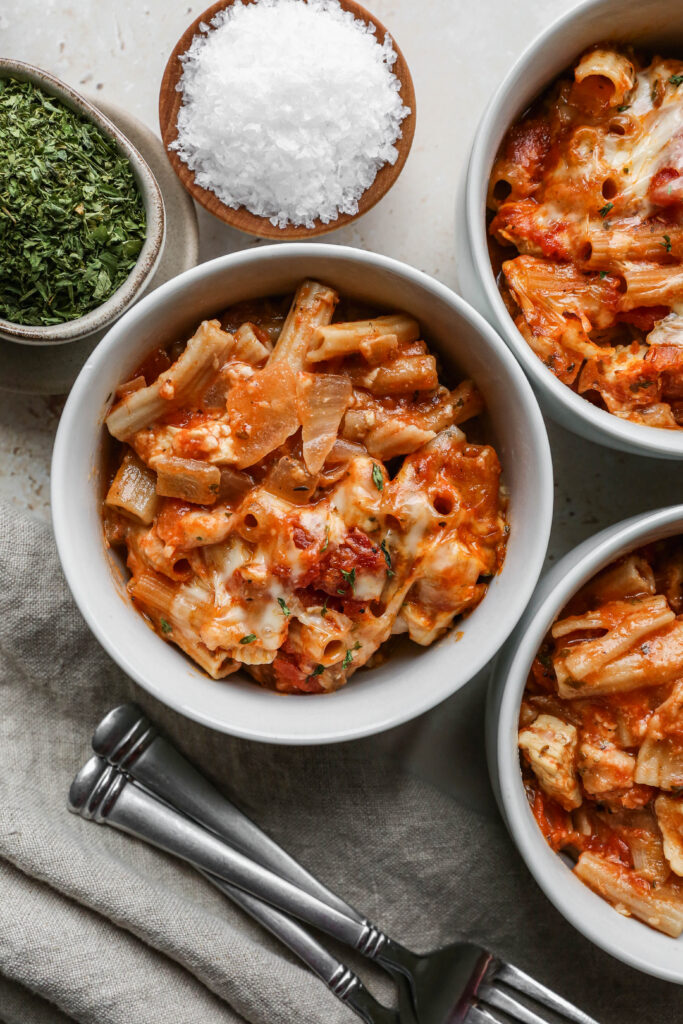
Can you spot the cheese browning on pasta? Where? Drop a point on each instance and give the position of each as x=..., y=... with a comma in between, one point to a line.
x=601, y=735
x=291, y=492
x=588, y=187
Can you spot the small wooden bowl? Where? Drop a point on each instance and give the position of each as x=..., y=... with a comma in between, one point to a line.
x=170, y=101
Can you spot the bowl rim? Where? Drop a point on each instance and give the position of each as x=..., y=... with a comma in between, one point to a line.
x=605, y=427
x=583, y=908
x=148, y=258
x=240, y=218
x=80, y=582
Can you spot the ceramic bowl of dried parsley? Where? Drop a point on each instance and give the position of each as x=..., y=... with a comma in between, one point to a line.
x=81, y=214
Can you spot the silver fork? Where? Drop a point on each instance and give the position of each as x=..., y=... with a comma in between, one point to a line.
x=97, y=794
x=460, y=982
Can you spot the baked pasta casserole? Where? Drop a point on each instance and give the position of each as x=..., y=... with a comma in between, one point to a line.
x=587, y=187
x=292, y=491
x=601, y=735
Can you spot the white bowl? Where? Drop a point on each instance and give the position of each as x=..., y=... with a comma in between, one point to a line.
x=413, y=679
x=624, y=938
x=656, y=25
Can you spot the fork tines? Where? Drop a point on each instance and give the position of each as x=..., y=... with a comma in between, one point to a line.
x=479, y=1014
x=500, y=990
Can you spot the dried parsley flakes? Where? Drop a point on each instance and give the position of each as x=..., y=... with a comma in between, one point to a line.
x=72, y=220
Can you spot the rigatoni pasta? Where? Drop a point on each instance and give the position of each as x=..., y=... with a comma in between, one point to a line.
x=588, y=188
x=601, y=735
x=291, y=492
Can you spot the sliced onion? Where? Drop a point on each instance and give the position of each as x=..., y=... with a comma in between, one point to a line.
x=234, y=485
x=263, y=413
x=344, y=451
x=290, y=479
x=322, y=400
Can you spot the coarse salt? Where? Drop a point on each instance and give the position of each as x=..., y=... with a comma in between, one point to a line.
x=289, y=109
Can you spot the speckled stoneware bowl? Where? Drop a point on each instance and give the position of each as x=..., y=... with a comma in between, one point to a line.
x=138, y=279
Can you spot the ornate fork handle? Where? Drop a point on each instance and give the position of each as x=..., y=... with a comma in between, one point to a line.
x=128, y=740
x=104, y=794
x=341, y=981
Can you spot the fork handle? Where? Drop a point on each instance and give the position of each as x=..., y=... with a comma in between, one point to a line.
x=104, y=794
x=128, y=740
x=340, y=980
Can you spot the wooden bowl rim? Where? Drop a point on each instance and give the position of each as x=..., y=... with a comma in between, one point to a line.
x=170, y=101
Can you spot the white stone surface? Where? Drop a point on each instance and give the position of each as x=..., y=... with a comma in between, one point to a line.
x=458, y=51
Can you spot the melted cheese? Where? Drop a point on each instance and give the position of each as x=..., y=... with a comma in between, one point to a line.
x=316, y=586
x=656, y=143
x=603, y=209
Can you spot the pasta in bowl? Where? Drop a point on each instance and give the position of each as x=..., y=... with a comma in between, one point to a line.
x=254, y=497
x=413, y=677
x=585, y=741
x=601, y=734
x=586, y=188
x=567, y=205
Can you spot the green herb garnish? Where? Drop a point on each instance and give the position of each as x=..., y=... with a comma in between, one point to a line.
x=603, y=275
x=666, y=244
x=640, y=385
x=317, y=671
x=623, y=107
x=676, y=80
x=323, y=610
x=377, y=478
x=285, y=610
x=72, y=220
x=603, y=211
x=327, y=539
x=349, y=577
x=387, y=558
x=348, y=657
x=166, y=627
x=248, y=639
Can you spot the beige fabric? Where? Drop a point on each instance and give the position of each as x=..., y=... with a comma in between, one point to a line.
x=19, y=1005
x=111, y=931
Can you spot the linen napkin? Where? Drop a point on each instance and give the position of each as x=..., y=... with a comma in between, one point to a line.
x=97, y=927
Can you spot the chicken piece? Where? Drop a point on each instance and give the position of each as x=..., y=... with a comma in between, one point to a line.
x=660, y=758
x=603, y=767
x=549, y=745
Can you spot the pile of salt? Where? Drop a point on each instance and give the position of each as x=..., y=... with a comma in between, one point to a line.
x=289, y=109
